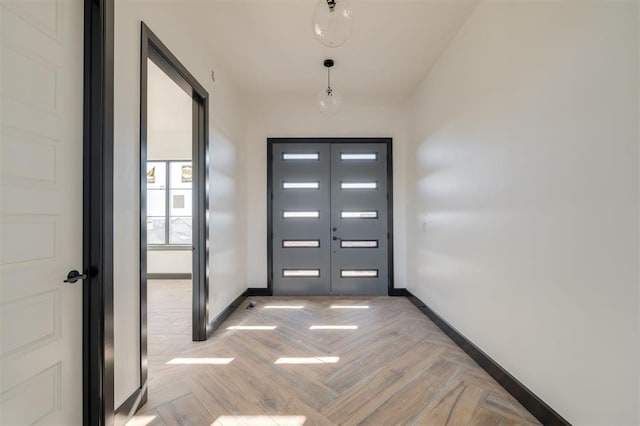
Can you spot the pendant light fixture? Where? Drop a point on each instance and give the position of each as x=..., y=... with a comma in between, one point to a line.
x=329, y=101
x=332, y=22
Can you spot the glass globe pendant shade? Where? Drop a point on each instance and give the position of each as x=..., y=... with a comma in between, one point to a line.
x=329, y=101
x=332, y=22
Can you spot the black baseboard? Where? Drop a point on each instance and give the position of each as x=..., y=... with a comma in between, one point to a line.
x=399, y=292
x=171, y=276
x=217, y=321
x=130, y=406
x=536, y=406
x=396, y=292
x=258, y=292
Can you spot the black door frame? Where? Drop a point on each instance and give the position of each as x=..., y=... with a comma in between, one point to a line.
x=154, y=49
x=392, y=291
x=97, y=215
x=97, y=205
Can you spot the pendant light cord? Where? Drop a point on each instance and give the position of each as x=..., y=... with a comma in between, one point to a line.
x=329, y=63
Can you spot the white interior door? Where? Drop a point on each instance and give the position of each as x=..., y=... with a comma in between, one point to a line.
x=40, y=211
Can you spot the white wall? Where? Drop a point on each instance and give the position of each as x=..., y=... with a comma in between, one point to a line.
x=226, y=140
x=169, y=117
x=301, y=118
x=169, y=262
x=227, y=237
x=524, y=198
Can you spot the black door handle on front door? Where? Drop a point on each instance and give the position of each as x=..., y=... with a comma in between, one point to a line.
x=74, y=276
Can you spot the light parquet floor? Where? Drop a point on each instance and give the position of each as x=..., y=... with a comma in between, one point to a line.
x=391, y=366
x=168, y=322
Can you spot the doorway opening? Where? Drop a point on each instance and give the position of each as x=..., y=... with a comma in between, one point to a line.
x=169, y=216
x=330, y=216
x=173, y=205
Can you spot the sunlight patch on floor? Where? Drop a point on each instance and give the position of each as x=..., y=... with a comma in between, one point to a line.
x=308, y=360
x=212, y=361
x=141, y=420
x=259, y=420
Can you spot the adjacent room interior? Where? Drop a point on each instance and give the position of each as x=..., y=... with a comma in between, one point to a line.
x=169, y=212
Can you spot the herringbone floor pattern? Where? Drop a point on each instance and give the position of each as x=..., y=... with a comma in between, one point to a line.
x=294, y=361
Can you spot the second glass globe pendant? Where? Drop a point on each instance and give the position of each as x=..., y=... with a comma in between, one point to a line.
x=329, y=101
x=332, y=22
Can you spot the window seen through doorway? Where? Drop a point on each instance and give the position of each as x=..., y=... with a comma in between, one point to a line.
x=169, y=202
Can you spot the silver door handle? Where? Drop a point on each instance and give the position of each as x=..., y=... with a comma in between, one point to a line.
x=336, y=238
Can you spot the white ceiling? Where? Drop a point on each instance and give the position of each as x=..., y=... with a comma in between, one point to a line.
x=267, y=46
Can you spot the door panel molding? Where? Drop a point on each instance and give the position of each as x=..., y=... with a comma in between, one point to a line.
x=271, y=142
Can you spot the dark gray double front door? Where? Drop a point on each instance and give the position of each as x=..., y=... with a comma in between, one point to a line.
x=330, y=215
